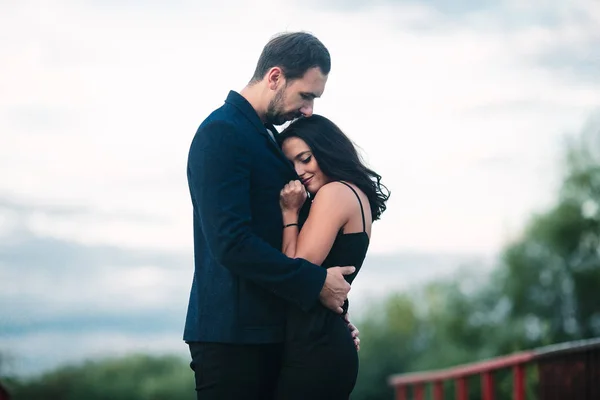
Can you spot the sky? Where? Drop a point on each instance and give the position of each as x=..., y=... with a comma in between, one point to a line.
x=462, y=107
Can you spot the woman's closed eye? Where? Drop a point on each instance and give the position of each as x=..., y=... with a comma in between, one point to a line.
x=306, y=160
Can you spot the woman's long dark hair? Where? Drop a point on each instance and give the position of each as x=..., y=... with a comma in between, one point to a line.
x=338, y=159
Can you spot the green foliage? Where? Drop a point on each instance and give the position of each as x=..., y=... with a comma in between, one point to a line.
x=392, y=336
x=544, y=291
x=552, y=274
x=136, y=377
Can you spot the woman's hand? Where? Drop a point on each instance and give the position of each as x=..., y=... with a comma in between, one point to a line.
x=353, y=331
x=292, y=197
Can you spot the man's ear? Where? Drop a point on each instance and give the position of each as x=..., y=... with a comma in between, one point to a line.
x=275, y=78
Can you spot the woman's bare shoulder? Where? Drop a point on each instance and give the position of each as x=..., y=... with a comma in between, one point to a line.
x=336, y=194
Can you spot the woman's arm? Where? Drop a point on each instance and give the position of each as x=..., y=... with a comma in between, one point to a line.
x=329, y=212
x=290, y=234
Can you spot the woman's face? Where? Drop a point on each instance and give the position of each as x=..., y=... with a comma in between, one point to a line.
x=297, y=151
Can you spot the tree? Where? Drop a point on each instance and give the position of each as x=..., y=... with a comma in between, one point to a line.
x=135, y=377
x=552, y=274
x=544, y=290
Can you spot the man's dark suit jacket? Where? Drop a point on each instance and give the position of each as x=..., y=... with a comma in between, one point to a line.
x=242, y=282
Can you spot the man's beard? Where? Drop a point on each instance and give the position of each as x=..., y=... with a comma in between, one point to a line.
x=275, y=114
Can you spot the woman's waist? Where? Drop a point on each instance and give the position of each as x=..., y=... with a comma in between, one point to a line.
x=316, y=322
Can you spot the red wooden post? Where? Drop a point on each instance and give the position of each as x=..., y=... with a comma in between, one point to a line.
x=401, y=393
x=438, y=390
x=487, y=385
x=462, y=391
x=518, y=382
x=419, y=391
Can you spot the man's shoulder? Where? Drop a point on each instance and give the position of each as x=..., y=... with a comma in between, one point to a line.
x=221, y=127
x=227, y=113
x=223, y=116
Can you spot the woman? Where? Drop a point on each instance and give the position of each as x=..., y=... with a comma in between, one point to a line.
x=320, y=360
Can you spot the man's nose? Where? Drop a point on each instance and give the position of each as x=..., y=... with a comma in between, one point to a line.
x=307, y=110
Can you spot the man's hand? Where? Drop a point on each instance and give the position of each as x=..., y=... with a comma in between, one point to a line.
x=353, y=331
x=335, y=290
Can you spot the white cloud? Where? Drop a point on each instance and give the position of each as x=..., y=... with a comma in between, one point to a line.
x=128, y=86
x=100, y=292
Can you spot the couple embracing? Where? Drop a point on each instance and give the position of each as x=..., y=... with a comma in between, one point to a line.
x=282, y=223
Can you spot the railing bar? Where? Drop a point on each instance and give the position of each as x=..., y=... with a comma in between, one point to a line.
x=438, y=390
x=462, y=392
x=518, y=382
x=487, y=385
x=419, y=391
x=401, y=393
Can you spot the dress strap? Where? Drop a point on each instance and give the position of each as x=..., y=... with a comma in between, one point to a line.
x=362, y=212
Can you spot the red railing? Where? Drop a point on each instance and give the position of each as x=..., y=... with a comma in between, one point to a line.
x=566, y=371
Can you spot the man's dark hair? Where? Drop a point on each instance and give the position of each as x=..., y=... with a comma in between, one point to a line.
x=295, y=53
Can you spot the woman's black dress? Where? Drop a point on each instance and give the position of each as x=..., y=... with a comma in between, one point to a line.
x=320, y=360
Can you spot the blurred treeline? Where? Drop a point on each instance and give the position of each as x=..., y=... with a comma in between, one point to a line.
x=544, y=289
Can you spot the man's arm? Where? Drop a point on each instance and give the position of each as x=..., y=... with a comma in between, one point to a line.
x=219, y=175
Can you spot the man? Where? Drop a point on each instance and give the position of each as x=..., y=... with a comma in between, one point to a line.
x=242, y=282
